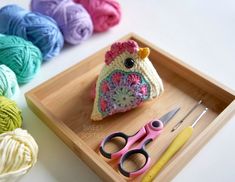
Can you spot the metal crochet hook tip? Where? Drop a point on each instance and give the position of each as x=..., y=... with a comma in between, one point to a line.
x=199, y=117
x=182, y=120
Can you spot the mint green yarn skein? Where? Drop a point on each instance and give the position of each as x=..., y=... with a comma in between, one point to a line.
x=21, y=56
x=10, y=115
x=8, y=83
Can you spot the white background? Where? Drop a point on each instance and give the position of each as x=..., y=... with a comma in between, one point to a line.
x=199, y=32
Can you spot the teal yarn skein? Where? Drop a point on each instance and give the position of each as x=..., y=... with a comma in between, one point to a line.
x=39, y=29
x=8, y=82
x=21, y=56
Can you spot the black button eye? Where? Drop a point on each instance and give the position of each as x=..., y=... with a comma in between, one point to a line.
x=129, y=63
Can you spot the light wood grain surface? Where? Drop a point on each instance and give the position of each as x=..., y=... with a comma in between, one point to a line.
x=201, y=33
x=64, y=104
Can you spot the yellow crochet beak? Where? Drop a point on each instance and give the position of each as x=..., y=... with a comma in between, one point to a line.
x=144, y=52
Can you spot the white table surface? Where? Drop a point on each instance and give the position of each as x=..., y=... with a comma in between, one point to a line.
x=201, y=33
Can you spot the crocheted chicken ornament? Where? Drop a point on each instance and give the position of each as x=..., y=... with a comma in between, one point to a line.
x=127, y=80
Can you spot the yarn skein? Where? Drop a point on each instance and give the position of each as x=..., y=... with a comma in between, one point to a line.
x=104, y=13
x=18, y=154
x=8, y=83
x=10, y=115
x=72, y=19
x=41, y=30
x=21, y=56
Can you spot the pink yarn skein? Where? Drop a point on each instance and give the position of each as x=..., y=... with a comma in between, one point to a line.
x=104, y=13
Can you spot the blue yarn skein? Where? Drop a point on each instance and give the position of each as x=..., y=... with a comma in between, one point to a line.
x=41, y=30
x=21, y=56
x=8, y=83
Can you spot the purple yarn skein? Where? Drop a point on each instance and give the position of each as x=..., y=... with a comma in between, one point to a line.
x=72, y=19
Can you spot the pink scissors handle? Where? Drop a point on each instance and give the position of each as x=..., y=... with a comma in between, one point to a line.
x=149, y=132
x=129, y=140
x=153, y=130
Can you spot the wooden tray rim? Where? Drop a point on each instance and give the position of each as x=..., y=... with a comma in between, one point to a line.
x=94, y=161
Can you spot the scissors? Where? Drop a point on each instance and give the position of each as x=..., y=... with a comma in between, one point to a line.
x=145, y=135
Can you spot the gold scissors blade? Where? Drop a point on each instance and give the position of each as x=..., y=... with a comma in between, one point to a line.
x=167, y=117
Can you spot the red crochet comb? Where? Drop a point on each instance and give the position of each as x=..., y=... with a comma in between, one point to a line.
x=118, y=48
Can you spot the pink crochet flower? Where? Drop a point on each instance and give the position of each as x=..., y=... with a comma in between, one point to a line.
x=134, y=78
x=105, y=87
x=116, y=78
x=144, y=89
x=103, y=105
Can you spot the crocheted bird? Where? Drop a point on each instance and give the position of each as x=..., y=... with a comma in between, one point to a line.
x=127, y=80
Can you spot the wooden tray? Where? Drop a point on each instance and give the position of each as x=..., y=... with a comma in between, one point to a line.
x=64, y=104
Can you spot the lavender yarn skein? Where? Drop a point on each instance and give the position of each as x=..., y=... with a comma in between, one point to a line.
x=41, y=30
x=72, y=19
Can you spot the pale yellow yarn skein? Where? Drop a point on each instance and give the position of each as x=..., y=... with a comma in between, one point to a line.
x=18, y=153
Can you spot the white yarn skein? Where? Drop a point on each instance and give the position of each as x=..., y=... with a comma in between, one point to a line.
x=18, y=153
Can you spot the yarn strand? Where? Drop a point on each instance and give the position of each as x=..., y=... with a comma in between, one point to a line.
x=18, y=153
x=10, y=115
x=104, y=13
x=41, y=30
x=8, y=83
x=72, y=19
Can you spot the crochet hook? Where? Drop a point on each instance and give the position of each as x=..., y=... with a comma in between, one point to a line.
x=175, y=146
x=182, y=120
